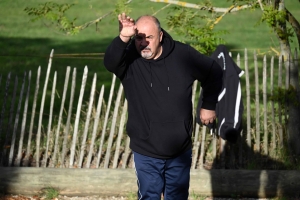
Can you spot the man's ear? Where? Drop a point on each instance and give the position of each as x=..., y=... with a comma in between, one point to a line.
x=160, y=36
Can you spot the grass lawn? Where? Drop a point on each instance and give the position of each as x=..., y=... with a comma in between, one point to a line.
x=26, y=45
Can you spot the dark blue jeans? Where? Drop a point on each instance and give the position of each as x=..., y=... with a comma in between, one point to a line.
x=169, y=177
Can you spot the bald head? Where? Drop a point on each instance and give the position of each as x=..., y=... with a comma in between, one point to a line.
x=148, y=37
x=149, y=19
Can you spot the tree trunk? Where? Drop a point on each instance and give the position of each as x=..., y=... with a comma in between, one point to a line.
x=293, y=127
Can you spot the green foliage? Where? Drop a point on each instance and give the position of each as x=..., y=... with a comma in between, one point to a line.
x=282, y=96
x=54, y=14
x=197, y=29
x=49, y=193
x=122, y=6
x=195, y=196
x=132, y=196
x=274, y=18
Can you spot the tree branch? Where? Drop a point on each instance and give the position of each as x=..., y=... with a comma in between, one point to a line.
x=261, y=5
x=93, y=21
x=212, y=9
x=221, y=17
x=161, y=9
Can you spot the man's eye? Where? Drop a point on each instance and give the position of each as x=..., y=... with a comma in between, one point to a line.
x=138, y=38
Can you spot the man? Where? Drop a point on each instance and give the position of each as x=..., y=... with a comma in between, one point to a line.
x=157, y=74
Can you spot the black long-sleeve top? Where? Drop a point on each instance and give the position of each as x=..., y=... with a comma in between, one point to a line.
x=159, y=93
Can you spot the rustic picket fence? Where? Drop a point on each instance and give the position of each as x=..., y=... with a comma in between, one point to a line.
x=97, y=137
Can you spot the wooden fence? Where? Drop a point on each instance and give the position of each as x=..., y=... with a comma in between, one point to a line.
x=95, y=136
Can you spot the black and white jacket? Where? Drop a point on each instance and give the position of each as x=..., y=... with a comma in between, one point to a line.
x=230, y=107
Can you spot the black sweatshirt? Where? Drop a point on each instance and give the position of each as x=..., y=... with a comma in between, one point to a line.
x=159, y=93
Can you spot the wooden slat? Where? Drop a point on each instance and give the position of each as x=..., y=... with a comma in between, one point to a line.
x=112, y=87
x=87, y=122
x=37, y=85
x=49, y=129
x=57, y=131
x=248, y=104
x=265, y=110
x=272, y=105
x=24, y=119
x=202, y=152
x=68, y=123
x=77, y=118
x=14, y=133
x=280, y=125
x=38, y=135
x=95, y=128
x=257, y=105
x=120, y=135
x=113, y=127
x=126, y=153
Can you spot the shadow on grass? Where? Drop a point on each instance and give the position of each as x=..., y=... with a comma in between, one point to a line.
x=18, y=56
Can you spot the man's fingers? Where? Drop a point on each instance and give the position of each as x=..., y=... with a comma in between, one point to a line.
x=207, y=121
x=124, y=17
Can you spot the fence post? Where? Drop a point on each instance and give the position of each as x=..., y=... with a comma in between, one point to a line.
x=60, y=117
x=19, y=155
x=248, y=100
x=87, y=121
x=113, y=127
x=120, y=134
x=280, y=130
x=257, y=116
x=38, y=135
x=50, y=118
x=105, y=120
x=37, y=85
x=273, y=106
x=95, y=128
x=68, y=123
x=12, y=146
x=265, y=106
x=78, y=112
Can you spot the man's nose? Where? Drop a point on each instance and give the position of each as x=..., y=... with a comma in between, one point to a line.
x=145, y=42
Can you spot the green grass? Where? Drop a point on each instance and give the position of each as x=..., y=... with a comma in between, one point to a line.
x=49, y=193
x=26, y=45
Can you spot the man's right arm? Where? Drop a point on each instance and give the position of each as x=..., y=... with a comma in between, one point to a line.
x=115, y=55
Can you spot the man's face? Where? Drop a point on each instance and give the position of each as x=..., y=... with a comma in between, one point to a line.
x=147, y=39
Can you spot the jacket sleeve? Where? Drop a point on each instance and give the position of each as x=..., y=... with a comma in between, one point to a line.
x=209, y=73
x=115, y=57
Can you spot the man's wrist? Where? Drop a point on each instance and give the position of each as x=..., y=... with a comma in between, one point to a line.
x=125, y=38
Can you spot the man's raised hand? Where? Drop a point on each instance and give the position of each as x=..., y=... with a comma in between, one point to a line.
x=126, y=26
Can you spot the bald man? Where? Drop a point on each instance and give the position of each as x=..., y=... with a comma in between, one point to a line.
x=157, y=74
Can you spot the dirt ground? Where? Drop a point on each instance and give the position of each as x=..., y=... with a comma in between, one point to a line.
x=20, y=197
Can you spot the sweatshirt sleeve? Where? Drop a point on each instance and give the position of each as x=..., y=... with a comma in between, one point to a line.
x=209, y=73
x=115, y=57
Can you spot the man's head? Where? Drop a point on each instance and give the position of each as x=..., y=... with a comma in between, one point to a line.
x=148, y=37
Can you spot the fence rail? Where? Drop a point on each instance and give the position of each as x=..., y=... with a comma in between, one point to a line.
x=95, y=136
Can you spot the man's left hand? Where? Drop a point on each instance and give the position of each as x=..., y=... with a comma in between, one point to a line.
x=207, y=116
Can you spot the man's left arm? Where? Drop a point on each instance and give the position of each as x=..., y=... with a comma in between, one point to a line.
x=210, y=74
